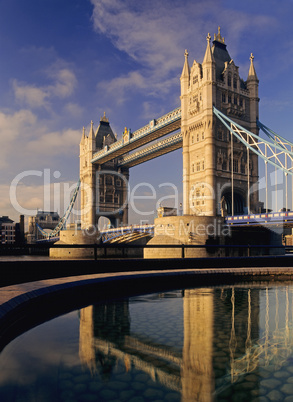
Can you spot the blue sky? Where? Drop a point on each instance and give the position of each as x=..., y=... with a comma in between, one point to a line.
x=64, y=62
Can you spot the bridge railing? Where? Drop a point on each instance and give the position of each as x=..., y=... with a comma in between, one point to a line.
x=14, y=249
x=262, y=218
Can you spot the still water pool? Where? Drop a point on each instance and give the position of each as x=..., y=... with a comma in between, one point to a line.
x=228, y=343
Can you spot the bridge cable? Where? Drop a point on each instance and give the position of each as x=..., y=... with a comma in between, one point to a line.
x=63, y=220
x=256, y=143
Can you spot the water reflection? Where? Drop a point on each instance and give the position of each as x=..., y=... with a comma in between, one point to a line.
x=229, y=343
x=215, y=351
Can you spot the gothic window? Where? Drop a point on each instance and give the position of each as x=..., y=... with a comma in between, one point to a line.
x=197, y=137
x=229, y=99
x=235, y=165
x=220, y=135
x=195, y=99
x=118, y=183
x=202, y=164
x=192, y=139
x=223, y=97
x=235, y=82
x=235, y=100
x=198, y=166
x=197, y=194
x=195, y=79
x=109, y=197
x=224, y=166
x=109, y=180
x=241, y=102
x=192, y=168
x=229, y=80
x=202, y=136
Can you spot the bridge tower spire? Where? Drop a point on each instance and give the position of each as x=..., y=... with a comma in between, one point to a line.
x=252, y=86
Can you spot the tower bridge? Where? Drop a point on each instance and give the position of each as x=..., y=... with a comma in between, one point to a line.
x=217, y=126
x=211, y=153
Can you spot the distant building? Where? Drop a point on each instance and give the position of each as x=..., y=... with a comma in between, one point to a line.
x=44, y=219
x=7, y=230
x=10, y=231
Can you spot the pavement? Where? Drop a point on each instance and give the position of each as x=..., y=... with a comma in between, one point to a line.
x=7, y=293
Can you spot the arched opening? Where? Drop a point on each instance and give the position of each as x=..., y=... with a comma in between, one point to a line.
x=104, y=223
x=238, y=200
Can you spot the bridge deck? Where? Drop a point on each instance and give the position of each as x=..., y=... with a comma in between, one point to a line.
x=157, y=131
x=160, y=148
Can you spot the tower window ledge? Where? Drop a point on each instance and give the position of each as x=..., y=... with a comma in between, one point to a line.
x=244, y=91
x=193, y=111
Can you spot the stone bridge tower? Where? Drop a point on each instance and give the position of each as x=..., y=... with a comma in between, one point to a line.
x=103, y=187
x=207, y=148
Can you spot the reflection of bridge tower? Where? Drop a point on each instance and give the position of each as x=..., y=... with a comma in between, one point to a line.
x=197, y=361
x=221, y=327
x=214, y=167
x=103, y=188
x=100, y=325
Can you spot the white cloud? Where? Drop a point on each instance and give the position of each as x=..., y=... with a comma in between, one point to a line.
x=55, y=143
x=155, y=34
x=14, y=129
x=64, y=83
x=74, y=109
x=30, y=95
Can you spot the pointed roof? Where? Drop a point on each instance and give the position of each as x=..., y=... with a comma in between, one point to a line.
x=104, y=130
x=186, y=69
x=208, y=57
x=91, y=133
x=83, y=136
x=252, y=74
x=220, y=53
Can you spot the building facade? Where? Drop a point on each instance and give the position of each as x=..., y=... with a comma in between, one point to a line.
x=7, y=230
x=210, y=154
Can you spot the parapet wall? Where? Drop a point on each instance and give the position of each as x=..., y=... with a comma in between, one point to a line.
x=189, y=230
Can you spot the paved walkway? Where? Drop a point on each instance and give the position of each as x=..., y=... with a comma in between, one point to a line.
x=7, y=293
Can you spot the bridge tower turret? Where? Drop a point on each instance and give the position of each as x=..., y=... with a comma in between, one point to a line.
x=103, y=186
x=217, y=172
